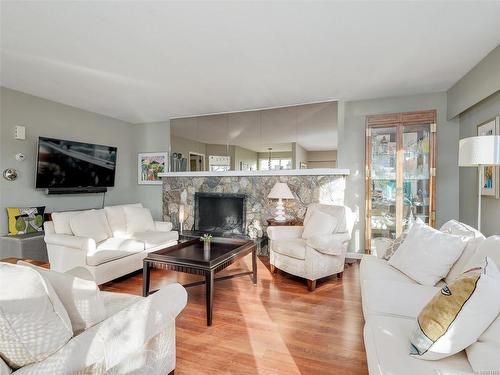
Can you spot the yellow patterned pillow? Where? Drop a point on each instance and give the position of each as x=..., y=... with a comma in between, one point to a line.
x=25, y=220
x=458, y=314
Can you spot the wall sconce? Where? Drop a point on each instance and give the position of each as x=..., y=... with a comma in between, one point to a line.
x=10, y=174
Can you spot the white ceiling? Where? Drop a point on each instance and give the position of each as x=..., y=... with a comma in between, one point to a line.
x=148, y=61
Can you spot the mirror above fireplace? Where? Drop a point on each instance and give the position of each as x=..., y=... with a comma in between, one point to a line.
x=278, y=139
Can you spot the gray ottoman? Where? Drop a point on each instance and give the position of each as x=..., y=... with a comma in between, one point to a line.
x=24, y=246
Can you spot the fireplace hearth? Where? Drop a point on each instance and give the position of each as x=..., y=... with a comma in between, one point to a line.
x=220, y=214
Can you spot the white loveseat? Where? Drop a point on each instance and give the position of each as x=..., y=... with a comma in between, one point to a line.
x=316, y=257
x=391, y=303
x=119, y=254
x=136, y=336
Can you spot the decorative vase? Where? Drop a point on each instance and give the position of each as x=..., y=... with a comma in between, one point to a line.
x=206, y=245
x=206, y=250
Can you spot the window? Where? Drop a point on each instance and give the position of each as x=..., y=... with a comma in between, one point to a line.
x=275, y=164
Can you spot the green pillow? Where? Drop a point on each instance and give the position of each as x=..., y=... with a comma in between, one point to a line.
x=23, y=220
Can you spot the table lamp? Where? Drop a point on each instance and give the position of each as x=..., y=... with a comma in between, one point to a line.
x=479, y=152
x=280, y=191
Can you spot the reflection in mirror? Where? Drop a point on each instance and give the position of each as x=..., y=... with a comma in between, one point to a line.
x=295, y=137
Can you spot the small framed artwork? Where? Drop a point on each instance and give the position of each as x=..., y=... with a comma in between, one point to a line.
x=149, y=164
x=491, y=173
x=303, y=165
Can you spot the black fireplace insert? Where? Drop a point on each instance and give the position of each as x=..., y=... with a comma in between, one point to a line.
x=220, y=214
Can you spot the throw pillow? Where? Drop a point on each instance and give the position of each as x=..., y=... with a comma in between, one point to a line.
x=91, y=224
x=427, y=255
x=319, y=223
x=33, y=321
x=61, y=221
x=473, y=239
x=490, y=247
x=458, y=314
x=81, y=298
x=391, y=249
x=138, y=219
x=25, y=220
x=116, y=219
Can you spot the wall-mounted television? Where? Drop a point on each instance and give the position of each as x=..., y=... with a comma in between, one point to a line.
x=69, y=164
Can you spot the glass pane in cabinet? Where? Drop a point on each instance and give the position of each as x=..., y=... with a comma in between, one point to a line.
x=383, y=182
x=416, y=173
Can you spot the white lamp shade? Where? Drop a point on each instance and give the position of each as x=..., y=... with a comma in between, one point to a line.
x=481, y=150
x=280, y=190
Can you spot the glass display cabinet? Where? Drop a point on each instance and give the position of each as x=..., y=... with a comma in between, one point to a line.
x=400, y=173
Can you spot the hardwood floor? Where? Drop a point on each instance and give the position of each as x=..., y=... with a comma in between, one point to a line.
x=274, y=327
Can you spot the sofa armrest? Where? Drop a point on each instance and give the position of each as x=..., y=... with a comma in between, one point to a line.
x=126, y=332
x=117, y=338
x=330, y=244
x=277, y=233
x=83, y=243
x=163, y=226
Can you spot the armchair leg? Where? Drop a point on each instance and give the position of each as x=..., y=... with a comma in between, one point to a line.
x=340, y=274
x=311, y=285
x=273, y=269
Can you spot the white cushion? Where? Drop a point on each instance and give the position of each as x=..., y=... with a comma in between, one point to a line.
x=114, y=248
x=81, y=298
x=374, y=268
x=319, y=223
x=484, y=354
x=92, y=224
x=61, y=221
x=292, y=248
x=490, y=247
x=395, y=298
x=116, y=218
x=457, y=316
x=473, y=238
x=138, y=219
x=386, y=343
x=153, y=239
x=33, y=321
x=427, y=255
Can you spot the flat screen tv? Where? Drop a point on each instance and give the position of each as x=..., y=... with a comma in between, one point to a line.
x=70, y=164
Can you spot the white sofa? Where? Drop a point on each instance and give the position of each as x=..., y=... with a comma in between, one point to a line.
x=391, y=302
x=313, y=258
x=137, y=336
x=118, y=255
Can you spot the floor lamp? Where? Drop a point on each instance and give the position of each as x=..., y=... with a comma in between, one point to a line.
x=479, y=152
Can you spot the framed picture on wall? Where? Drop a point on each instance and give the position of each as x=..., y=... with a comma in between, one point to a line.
x=149, y=164
x=491, y=173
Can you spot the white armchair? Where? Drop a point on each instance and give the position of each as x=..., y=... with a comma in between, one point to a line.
x=137, y=336
x=317, y=256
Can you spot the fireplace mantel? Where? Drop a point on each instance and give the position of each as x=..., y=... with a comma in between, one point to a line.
x=282, y=172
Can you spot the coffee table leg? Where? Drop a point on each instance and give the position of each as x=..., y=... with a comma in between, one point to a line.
x=254, y=266
x=209, y=288
x=145, y=279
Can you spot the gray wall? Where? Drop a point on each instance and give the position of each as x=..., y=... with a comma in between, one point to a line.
x=351, y=153
x=42, y=117
x=490, y=222
x=480, y=82
x=151, y=137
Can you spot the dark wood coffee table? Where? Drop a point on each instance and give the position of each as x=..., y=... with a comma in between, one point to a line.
x=189, y=257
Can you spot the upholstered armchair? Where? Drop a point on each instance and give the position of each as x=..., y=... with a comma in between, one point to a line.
x=312, y=256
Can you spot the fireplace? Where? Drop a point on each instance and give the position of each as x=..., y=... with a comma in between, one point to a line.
x=220, y=213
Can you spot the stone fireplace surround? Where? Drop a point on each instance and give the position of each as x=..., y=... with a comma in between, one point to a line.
x=180, y=189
